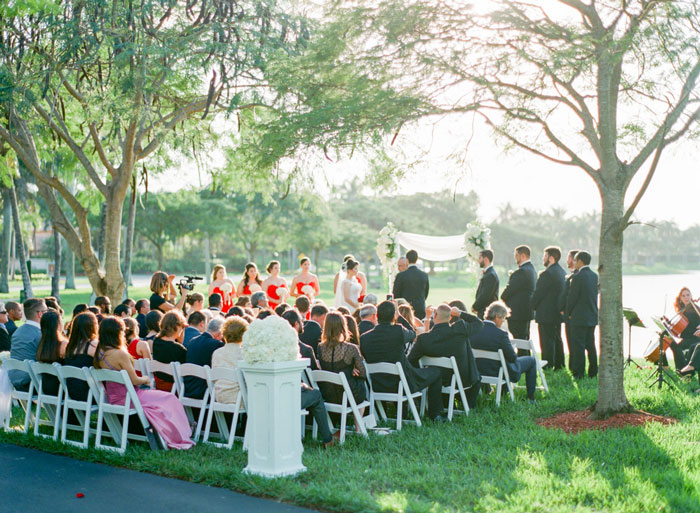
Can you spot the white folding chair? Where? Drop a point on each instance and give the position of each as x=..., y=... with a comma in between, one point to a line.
x=347, y=405
x=153, y=366
x=218, y=409
x=140, y=366
x=82, y=409
x=25, y=399
x=456, y=386
x=502, y=378
x=51, y=404
x=110, y=413
x=403, y=393
x=541, y=364
x=182, y=370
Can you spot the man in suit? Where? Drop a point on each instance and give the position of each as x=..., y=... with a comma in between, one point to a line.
x=197, y=322
x=492, y=338
x=565, y=293
x=402, y=264
x=199, y=352
x=368, y=319
x=4, y=335
x=582, y=316
x=451, y=339
x=517, y=296
x=306, y=351
x=545, y=302
x=487, y=292
x=14, y=313
x=25, y=340
x=143, y=306
x=413, y=285
x=387, y=343
x=313, y=328
x=215, y=305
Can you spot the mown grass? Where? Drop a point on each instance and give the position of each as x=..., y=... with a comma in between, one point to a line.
x=496, y=459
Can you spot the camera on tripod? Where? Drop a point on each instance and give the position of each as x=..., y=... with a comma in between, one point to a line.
x=187, y=283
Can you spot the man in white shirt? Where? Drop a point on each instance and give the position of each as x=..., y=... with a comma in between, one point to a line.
x=25, y=340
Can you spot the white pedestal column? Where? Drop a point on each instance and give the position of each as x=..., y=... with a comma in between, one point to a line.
x=274, y=417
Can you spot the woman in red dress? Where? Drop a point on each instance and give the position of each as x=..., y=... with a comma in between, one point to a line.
x=251, y=281
x=275, y=286
x=222, y=285
x=305, y=283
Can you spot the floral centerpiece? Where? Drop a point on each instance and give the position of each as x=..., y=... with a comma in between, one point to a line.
x=388, y=250
x=270, y=340
x=476, y=238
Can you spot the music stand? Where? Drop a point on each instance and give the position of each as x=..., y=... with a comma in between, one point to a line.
x=660, y=372
x=633, y=320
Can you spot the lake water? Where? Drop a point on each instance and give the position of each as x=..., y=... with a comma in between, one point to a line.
x=648, y=295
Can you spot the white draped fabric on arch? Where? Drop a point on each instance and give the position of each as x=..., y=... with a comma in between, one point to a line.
x=434, y=249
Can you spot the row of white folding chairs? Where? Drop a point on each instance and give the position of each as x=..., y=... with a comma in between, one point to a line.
x=57, y=407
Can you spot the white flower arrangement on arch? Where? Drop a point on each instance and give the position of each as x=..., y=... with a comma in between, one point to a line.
x=270, y=340
x=388, y=249
x=476, y=238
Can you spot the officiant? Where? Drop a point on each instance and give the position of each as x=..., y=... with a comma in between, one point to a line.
x=413, y=284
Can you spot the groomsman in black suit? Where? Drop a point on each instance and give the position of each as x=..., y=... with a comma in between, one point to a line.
x=413, y=285
x=565, y=293
x=545, y=302
x=487, y=292
x=582, y=315
x=517, y=295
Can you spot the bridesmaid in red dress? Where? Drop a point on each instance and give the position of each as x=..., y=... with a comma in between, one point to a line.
x=222, y=285
x=304, y=279
x=251, y=281
x=275, y=286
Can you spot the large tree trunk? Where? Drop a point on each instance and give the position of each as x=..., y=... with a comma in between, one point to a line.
x=56, y=278
x=70, y=267
x=19, y=244
x=611, y=390
x=6, y=241
x=131, y=223
x=103, y=233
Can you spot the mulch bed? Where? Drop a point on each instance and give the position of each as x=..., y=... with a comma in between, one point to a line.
x=573, y=422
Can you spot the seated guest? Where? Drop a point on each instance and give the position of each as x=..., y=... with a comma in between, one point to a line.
x=14, y=313
x=77, y=310
x=370, y=299
x=235, y=310
x=311, y=335
x=164, y=411
x=197, y=325
x=353, y=331
x=153, y=326
x=281, y=308
x=199, y=353
x=96, y=311
x=264, y=313
x=336, y=354
x=131, y=304
x=194, y=303
x=52, y=303
x=215, y=304
x=229, y=356
x=164, y=293
x=143, y=306
x=492, y=338
x=80, y=351
x=303, y=305
x=25, y=340
x=406, y=311
x=52, y=348
x=446, y=339
x=343, y=310
x=104, y=304
x=243, y=301
x=4, y=335
x=122, y=311
x=167, y=346
x=296, y=322
x=136, y=347
x=387, y=343
x=259, y=300
x=368, y=318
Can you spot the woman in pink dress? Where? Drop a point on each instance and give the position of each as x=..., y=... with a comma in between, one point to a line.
x=275, y=286
x=222, y=285
x=305, y=278
x=251, y=281
x=163, y=410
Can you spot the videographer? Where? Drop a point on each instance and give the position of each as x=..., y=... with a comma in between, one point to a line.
x=164, y=293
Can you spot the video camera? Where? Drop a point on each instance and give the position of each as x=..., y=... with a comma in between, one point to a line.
x=187, y=283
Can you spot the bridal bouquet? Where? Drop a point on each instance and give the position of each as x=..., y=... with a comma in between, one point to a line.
x=388, y=249
x=308, y=291
x=270, y=340
x=476, y=238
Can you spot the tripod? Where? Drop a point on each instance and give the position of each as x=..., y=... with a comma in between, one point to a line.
x=660, y=372
x=632, y=320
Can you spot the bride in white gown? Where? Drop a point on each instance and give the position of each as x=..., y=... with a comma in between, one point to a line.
x=348, y=292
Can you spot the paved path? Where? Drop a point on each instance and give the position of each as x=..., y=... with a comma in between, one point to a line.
x=35, y=481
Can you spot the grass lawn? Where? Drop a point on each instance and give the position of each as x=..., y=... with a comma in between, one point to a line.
x=494, y=460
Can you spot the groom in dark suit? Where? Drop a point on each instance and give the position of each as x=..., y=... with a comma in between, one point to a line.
x=413, y=285
x=487, y=292
x=545, y=302
x=582, y=316
x=517, y=295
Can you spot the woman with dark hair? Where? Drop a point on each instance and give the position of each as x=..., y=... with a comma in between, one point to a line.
x=52, y=347
x=275, y=286
x=167, y=346
x=136, y=347
x=243, y=301
x=164, y=411
x=683, y=305
x=336, y=354
x=164, y=293
x=348, y=292
x=305, y=282
x=104, y=304
x=280, y=309
x=353, y=330
x=153, y=319
x=80, y=351
x=251, y=281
